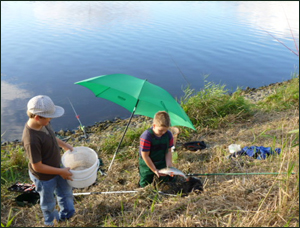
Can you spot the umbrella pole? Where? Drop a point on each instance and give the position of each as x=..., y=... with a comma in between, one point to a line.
x=123, y=135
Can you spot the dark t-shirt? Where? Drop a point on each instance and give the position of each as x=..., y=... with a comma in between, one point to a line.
x=41, y=146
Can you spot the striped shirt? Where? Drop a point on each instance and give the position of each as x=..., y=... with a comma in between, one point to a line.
x=146, y=138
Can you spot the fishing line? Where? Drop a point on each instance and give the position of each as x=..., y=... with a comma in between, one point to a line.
x=77, y=117
x=290, y=29
x=179, y=70
x=279, y=41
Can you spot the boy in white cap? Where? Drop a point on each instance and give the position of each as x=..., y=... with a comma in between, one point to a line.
x=42, y=148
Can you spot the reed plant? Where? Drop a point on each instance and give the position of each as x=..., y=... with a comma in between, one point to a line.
x=213, y=106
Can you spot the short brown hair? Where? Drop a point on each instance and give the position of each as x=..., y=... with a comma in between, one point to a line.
x=162, y=119
x=30, y=115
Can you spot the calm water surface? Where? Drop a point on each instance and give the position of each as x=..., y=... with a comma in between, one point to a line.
x=48, y=46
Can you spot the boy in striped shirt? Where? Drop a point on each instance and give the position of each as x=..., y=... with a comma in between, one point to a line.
x=155, y=149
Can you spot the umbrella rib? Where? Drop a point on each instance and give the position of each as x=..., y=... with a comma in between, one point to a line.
x=102, y=92
x=163, y=104
x=140, y=92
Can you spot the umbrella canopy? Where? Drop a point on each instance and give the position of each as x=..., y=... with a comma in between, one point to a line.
x=137, y=96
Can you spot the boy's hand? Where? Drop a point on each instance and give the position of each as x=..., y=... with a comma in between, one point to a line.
x=156, y=172
x=159, y=174
x=64, y=145
x=66, y=174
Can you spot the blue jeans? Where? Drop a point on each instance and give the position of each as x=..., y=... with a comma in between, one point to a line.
x=64, y=194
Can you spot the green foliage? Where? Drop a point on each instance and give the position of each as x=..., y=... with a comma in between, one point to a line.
x=285, y=97
x=133, y=134
x=153, y=204
x=213, y=106
x=175, y=157
x=296, y=139
x=111, y=142
x=122, y=208
x=13, y=163
x=9, y=219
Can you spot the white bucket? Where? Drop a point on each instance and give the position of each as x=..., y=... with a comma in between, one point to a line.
x=84, y=164
x=84, y=182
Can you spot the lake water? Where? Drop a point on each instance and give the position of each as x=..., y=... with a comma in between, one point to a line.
x=48, y=46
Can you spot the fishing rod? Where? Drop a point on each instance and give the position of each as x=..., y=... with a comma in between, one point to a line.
x=290, y=29
x=179, y=70
x=114, y=192
x=95, y=193
x=215, y=174
x=77, y=117
x=280, y=41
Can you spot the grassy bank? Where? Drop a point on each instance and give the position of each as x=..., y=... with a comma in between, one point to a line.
x=220, y=119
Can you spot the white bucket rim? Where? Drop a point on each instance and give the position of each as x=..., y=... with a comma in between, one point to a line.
x=88, y=169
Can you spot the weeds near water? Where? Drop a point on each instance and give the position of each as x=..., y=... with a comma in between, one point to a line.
x=109, y=144
x=132, y=135
x=13, y=160
x=213, y=107
x=285, y=97
x=238, y=201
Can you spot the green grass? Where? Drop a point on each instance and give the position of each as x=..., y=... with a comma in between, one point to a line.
x=285, y=97
x=241, y=201
x=110, y=143
x=9, y=218
x=213, y=106
x=13, y=163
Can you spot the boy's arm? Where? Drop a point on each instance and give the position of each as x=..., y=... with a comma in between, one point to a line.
x=64, y=145
x=169, y=158
x=46, y=169
x=169, y=154
x=148, y=161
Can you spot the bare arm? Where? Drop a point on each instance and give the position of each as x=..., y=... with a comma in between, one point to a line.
x=64, y=145
x=148, y=161
x=42, y=168
x=169, y=158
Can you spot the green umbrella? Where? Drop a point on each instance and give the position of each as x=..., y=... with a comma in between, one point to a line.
x=138, y=96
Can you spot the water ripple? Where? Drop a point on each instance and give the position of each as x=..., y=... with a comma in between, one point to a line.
x=55, y=44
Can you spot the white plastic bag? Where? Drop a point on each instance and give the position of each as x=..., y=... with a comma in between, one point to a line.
x=234, y=148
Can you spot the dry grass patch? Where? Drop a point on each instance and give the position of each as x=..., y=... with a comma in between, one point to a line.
x=236, y=200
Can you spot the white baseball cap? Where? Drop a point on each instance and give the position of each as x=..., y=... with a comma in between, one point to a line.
x=42, y=105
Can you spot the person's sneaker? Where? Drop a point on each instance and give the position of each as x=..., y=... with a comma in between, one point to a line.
x=51, y=224
x=65, y=219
